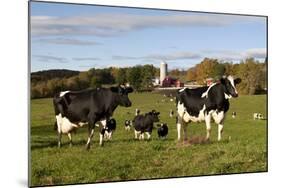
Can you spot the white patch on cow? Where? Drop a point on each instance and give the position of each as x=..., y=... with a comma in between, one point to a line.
x=183, y=114
x=103, y=122
x=148, y=135
x=127, y=128
x=63, y=93
x=108, y=135
x=226, y=96
x=181, y=90
x=137, y=134
x=205, y=94
x=218, y=117
x=230, y=78
x=64, y=125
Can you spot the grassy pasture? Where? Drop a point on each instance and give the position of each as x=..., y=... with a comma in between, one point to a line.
x=243, y=147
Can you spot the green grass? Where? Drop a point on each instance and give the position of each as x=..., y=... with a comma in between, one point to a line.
x=242, y=149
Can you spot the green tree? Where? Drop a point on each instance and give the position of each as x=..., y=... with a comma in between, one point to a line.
x=121, y=76
x=147, y=73
x=205, y=69
x=95, y=82
x=191, y=74
x=250, y=73
x=134, y=77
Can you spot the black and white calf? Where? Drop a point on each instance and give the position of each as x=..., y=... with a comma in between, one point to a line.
x=73, y=109
x=128, y=124
x=144, y=124
x=171, y=113
x=162, y=130
x=137, y=112
x=257, y=116
x=233, y=115
x=106, y=131
x=205, y=103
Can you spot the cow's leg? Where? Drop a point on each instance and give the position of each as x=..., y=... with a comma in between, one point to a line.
x=148, y=134
x=141, y=136
x=70, y=139
x=59, y=139
x=184, y=127
x=58, y=127
x=220, y=130
x=102, y=136
x=101, y=139
x=179, y=124
x=136, y=134
x=208, y=125
x=219, y=119
x=90, y=136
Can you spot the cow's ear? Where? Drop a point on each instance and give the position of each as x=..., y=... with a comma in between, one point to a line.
x=237, y=81
x=114, y=89
x=129, y=89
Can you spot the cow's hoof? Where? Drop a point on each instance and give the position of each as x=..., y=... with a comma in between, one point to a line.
x=88, y=147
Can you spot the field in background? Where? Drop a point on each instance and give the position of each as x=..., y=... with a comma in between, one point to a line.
x=242, y=149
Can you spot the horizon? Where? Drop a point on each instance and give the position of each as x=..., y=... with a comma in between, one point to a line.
x=80, y=37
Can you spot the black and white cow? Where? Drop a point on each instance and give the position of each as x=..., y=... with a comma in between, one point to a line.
x=144, y=124
x=171, y=113
x=107, y=131
x=137, y=112
x=73, y=109
x=128, y=124
x=162, y=130
x=205, y=103
x=233, y=115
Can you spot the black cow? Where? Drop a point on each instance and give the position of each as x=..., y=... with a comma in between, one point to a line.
x=76, y=108
x=204, y=103
x=162, y=130
x=144, y=124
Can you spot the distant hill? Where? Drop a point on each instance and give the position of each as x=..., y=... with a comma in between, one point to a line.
x=54, y=73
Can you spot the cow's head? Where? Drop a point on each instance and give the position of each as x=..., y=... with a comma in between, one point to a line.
x=154, y=115
x=229, y=86
x=122, y=95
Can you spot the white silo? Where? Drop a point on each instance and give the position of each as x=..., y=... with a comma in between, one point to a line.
x=163, y=71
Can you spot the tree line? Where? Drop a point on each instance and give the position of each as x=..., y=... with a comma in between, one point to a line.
x=47, y=83
x=252, y=72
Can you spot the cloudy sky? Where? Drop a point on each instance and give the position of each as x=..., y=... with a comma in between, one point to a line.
x=79, y=37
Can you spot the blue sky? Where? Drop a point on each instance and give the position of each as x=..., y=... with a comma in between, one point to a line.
x=80, y=37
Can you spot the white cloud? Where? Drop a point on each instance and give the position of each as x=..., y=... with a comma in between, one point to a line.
x=232, y=55
x=159, y=57
x=85, y=59
x=67, y=41
x=113, y=24
x=51, y=59
x=255, y=52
